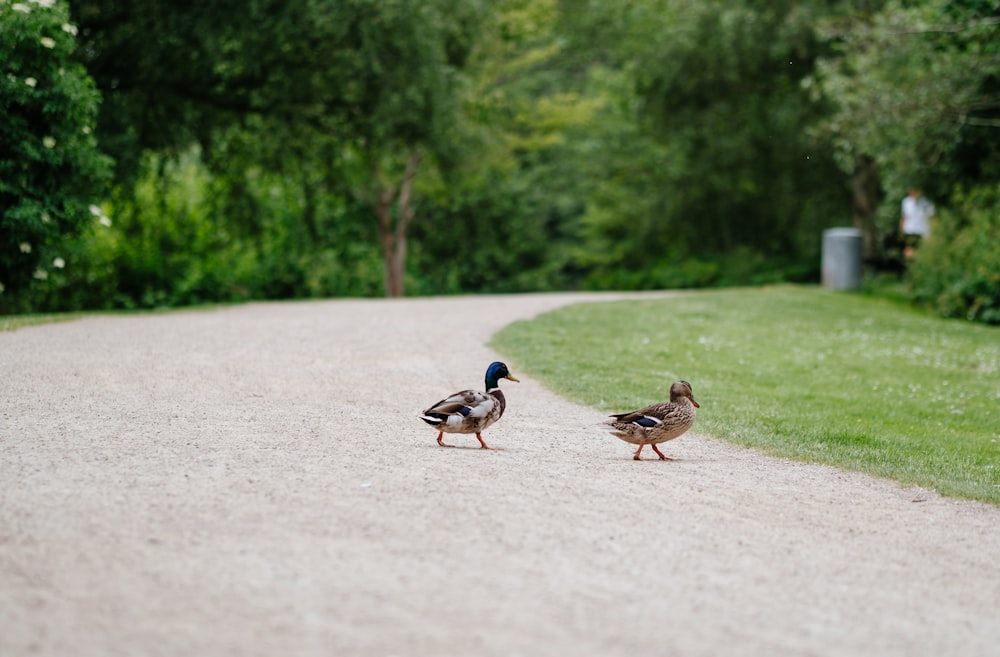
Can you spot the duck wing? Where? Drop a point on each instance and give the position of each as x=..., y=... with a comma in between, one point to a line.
x=649, y=416
x=467, y=403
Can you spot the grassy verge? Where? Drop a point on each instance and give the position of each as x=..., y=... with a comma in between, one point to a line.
x=14, y=322
x=799, y=372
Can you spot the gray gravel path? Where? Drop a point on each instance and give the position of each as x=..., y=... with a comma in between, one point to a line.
x=254, y=481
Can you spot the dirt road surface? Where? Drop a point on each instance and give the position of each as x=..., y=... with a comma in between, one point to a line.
x=254, y=480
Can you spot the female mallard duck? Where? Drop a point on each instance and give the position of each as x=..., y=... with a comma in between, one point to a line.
x=470, y=411
x=657, y=423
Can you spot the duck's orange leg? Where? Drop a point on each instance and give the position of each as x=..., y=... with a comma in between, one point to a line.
x=665, y=458
x=482, y=442
x=441, y=442
x=642, y=443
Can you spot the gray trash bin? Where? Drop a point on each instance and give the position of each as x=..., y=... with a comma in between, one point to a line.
x=842, y=258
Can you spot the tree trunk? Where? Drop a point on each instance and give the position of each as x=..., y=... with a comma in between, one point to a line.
x=864, y=191
x=309, y=211
x=383, y=211
x=392, y=236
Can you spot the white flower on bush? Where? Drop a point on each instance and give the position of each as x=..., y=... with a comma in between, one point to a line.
x=41, y=274
x=49, y=142
x=25, y=247
x=48, y=4
x=48, y=42
x=58, y=263
x=69, y=28
x=31, y=82
x=21, y=7
x=102, y=218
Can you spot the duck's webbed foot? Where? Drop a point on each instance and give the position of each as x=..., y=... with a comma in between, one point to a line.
x=638, y=452
x=483, y=442
x=665, y=458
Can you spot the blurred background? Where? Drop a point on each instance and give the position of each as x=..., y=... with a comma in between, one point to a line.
x=171, y=152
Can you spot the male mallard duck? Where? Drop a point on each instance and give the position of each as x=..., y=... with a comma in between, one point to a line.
x=657, y=423
x=470, y=411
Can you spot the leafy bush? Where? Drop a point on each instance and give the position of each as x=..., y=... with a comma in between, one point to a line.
x=957, y=269
x=741, y=266
x=50, y=169
x=178, y=239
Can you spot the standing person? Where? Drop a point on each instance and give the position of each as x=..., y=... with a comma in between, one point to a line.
x=915, y=222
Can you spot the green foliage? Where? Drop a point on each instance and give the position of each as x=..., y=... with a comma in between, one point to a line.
x=507, y=220
x=799, y=372
x=363, y=90
x=490, y=240
x=915, y=89
x=172, y=242
x=50, y=169
x=957, y=269
x=289, y=148
x=737, y=170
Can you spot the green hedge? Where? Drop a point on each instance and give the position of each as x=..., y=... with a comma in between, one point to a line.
x=956, y=271
x=172, y=241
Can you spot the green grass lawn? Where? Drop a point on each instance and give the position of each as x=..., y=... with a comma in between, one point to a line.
x=14, y=322
x=799, y=372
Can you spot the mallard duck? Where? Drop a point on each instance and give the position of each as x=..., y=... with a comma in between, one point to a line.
x=470, y=411
x=657, y=423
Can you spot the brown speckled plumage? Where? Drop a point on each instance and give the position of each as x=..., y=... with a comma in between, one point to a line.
x=658, y=423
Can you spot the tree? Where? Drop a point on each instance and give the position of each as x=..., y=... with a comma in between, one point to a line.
x=918, y=102
x=504, y=213
x=739, y=182
x=51, y=173
x=403, y=108
x=916, y=96
x=375, y=81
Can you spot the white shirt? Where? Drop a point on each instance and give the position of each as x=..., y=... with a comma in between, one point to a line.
x=917, y=213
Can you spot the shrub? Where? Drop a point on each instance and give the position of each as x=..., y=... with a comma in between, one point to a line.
x=173, y=240
x=957, y=269
x=50, y=169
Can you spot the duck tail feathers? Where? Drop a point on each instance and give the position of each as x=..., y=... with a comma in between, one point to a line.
x=432, y=420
